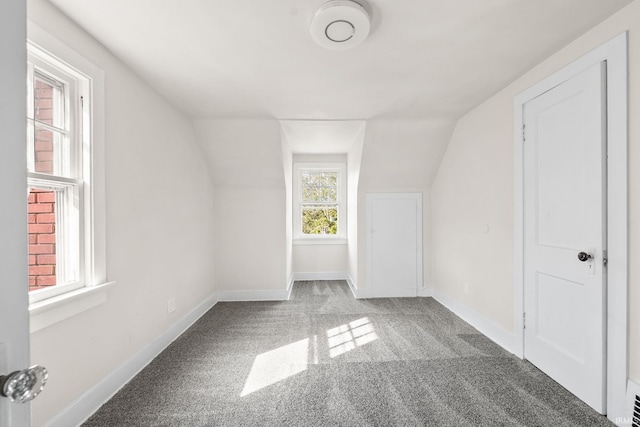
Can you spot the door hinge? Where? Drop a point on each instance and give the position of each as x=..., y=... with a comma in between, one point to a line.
x=605, y=260
x=524, y=320
x=523, y=134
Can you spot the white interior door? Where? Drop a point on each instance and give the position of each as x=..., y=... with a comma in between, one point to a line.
x=395, y=244
x=564, y=215
x=14, y=321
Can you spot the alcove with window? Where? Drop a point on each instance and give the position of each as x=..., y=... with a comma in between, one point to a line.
x=321, y=161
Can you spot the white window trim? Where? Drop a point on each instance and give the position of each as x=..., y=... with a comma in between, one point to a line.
x=96, y=284
x=74, y=85
x=341, y=236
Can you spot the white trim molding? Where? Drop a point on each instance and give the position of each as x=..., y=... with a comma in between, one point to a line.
x=352, y=286
x=56, y=309
x=91, y=82
x=89, y=402
x=425, y=291
x=341, y=203
x=358, y=293
x=254, y=295
x=290, y=284
x=491, y=330
x=278, y=294
x=614, y=52
x=320, y=275
x=320, y=241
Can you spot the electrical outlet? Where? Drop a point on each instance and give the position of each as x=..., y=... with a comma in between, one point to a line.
x=171, y=305
x=466, y=289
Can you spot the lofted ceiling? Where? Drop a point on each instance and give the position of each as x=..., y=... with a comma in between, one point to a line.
x=432, y=59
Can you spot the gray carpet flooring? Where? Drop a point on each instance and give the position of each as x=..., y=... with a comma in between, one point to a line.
x=324, y=358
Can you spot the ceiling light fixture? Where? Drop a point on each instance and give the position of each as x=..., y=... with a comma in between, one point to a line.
x=340, y=24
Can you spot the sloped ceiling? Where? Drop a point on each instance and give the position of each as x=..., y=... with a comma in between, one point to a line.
x=431, y=59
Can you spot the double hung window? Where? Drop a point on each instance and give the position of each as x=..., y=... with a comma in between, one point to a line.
x=320, y=194
x=59, y=163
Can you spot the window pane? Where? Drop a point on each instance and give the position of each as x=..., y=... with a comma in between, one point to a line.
x=42, y=238
x=320, y=219
x=319, y=186
x=53, y=236
x=47, y=103
x=50, y=152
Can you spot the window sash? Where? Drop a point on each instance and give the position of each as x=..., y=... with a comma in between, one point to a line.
x=68, y=153
x=314, y=186
x=323, y=225
x=301, y=204
x=59, y=101
x=71, y=151
x=69, y=232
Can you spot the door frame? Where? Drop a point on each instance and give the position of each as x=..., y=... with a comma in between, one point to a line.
x=370, y=197
x=614, y=52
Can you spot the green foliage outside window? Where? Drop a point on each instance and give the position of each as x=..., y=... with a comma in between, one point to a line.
x=319, y=202
x=319, y=220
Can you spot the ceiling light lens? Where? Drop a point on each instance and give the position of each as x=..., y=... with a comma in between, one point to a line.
x=339, y=31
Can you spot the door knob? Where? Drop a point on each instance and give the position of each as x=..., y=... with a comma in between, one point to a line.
x=583, y=256
x=23, y=386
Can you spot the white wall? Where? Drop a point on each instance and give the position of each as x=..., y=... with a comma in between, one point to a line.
x=287, y=165
x=354, y=163
x=473, y=190
x=159, y=221
x=474, y=187
x=250, y=239
x=246, y=159
x=320, y=258
x=399, y=156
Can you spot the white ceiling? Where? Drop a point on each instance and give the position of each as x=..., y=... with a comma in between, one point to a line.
x=322, y=136
x=256, y=59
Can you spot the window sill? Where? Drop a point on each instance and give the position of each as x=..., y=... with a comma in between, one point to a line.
x=320, y=241
x=56, y=309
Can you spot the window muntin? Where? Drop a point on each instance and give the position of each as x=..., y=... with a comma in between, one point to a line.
x=57, y=171
x=319, y=196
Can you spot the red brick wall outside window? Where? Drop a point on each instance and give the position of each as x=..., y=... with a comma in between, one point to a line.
x=42, y=203
x=42, y=239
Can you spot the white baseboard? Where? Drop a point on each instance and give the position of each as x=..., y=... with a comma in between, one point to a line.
x=290, y=286
x=334, y=275
x=255, y=295
x=358, y=293
x=425, y=291
x=352, y=286
x=320, y=275
x=494, y=332
x=362, y=293
x=90, y=401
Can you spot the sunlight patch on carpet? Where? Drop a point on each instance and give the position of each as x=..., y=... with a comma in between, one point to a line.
x=277, y=365
x=347, y=337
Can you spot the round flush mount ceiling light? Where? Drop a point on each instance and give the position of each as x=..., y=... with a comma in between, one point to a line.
x=340, y=24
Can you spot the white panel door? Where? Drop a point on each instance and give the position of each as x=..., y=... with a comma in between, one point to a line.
x=14, y=320
x=395, y=240
x=564, y=205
